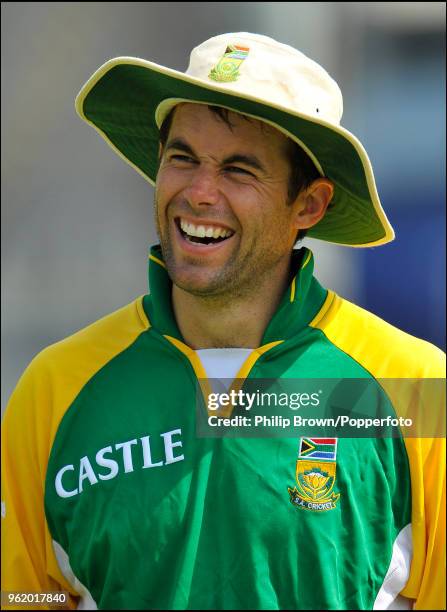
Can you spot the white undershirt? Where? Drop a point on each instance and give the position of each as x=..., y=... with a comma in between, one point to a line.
x=222, y=365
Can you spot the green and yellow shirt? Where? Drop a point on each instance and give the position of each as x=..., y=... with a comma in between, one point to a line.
x=110, y=495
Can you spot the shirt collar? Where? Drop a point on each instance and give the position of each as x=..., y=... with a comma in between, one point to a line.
x=300, y=303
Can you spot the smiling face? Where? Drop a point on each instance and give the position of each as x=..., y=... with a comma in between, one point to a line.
x=221, y=203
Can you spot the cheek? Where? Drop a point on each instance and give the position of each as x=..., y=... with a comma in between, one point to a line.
x=272, y=224
x=166, y=189
x=169, y=182
x=263, y=204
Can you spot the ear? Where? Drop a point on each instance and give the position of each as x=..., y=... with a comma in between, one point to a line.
x=311, y=204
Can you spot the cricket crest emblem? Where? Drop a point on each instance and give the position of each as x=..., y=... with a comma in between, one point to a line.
x=227, y=69
x=315, y=475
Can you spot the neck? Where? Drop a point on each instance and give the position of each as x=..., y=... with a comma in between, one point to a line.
x=227, y=321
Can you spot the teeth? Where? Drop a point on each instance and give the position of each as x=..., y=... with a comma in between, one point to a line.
x=202, y=231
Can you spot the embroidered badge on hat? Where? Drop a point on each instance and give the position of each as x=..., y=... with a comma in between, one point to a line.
x=227, y=69
x=315, y=475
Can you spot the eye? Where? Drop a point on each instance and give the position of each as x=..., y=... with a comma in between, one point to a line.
x=185, y=158
x=237, y=169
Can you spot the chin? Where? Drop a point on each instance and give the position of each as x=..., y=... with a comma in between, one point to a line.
x=199, y=288
x=199, y=284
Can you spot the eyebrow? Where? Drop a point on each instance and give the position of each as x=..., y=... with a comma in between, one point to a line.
x=248, y=160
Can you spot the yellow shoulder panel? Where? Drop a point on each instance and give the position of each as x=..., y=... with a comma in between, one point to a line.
x=387, y=352
x=44, y=393
x=381, y=348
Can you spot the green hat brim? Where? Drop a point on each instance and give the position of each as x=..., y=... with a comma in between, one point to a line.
x=120, y=101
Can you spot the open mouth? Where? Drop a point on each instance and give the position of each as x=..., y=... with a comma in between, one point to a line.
x=202, y=234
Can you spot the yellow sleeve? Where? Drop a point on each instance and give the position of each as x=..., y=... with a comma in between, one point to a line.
x=404, y=365
x=426, y=584
x=44, y=393
x=28, y=560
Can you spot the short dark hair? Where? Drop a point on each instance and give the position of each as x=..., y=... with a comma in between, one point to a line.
x=303, y=171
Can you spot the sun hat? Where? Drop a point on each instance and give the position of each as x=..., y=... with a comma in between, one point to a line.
x=127, y=99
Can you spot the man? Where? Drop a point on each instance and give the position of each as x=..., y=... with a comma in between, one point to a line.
x=109, y=493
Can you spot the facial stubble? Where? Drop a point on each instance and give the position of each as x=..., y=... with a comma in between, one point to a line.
x=239, y=277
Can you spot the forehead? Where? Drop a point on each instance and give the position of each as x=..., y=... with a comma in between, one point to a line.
x=199, y=122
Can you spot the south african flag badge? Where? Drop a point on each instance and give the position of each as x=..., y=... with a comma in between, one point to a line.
x=315, y=475
x=227, y=69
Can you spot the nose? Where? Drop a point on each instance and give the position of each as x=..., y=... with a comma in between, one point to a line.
x=203, y=188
